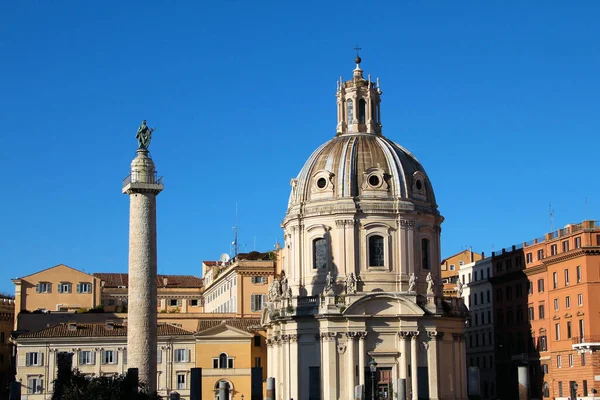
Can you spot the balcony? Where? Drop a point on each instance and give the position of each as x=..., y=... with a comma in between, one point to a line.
x=586, y=344
x=142, y=181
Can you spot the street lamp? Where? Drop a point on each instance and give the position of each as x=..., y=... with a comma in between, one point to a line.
x=373, y=368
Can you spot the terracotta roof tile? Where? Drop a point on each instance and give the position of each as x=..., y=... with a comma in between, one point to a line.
x=182, y=281
x=97, y=330
x=245, y=324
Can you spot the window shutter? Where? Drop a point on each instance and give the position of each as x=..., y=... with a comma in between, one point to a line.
x=59, y=288
x=40, y=358
x=252, y=302
x=159, y=356
x=70, y=288
x=37, y=288
x=264, y=300
x=188, y=355
x=80, y=358
x=79, y=288
x=92, y=357
x=27, y=359
x=49, y=287
x=115, y=357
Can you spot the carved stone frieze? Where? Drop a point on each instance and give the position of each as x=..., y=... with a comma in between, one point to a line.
x=345, y=222
x=407, y=223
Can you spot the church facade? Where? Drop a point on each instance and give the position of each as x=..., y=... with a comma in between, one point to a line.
x=359, y=299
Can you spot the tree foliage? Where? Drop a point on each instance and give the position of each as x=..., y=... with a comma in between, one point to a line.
x=120, y=387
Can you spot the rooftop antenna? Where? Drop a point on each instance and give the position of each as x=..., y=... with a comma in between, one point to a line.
x=586, y=208
x=551, y=212
x=236, y=247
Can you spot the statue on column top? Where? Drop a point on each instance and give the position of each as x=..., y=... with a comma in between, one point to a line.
x=328, y=283
x=144, y=135
x=412, y=282
x=430, y=283
x=459, y=288
x=350, y=284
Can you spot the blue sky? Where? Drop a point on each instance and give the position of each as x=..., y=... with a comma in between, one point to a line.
x=498, y=100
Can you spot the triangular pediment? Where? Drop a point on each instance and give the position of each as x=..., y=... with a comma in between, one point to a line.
x=224, y=331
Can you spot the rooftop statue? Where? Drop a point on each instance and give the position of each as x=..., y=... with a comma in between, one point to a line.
x=144, y=134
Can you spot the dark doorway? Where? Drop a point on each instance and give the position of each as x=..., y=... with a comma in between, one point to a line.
x=314, y=383
x=423, y=383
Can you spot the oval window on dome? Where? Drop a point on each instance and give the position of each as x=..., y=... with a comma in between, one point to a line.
x=419, y=184
x=321, y=183
x=374, y=180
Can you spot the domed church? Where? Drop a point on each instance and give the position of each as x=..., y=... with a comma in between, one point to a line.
x=358, y=300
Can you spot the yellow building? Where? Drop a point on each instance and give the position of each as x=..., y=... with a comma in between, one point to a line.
x=226, y=350
x=238, y=286
x=176, y=293
x=7, y=317
x=450, y=267
x=59, y=288
x=100, y=350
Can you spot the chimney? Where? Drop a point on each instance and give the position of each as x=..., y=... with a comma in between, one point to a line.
x=165, y=281
x=72, y=326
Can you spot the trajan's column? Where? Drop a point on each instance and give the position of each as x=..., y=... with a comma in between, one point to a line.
x=142, y=186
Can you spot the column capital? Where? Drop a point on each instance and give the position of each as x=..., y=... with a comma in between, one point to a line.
x=351, y=335
x=345, y=222
x=458, y=336
x=293, y=338
x=414, y=335
x=407, y=223
x=361, y=335
x=328, y=336
x=435, y=335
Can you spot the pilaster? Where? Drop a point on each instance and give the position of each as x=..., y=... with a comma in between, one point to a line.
x=361, y=357
x=432, y=361
x=414, y=360
x=329, y=375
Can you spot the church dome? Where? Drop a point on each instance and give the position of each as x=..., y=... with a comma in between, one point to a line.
x=363, y=165
x=359, y=162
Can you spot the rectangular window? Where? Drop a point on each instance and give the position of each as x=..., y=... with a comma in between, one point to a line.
x=109, y=357
x=84, y=287
x=215, y=363
x=529, y=258
x=159, y=356
x=34, y=385
x=181, y=381
x=540, y=285
x=86, y=357
x=64, y=287
x=452, y=267
x=568, y=302
x=560, y=388
x=583, y=359
x=543, y=343
x=319, y=253
x=545, y=368
x=557, y=331
x=585, y=388
x=580, y=299
x=556, y=308
x=508, y=293
x=498, y=266
x=530, y=313
x=581, y=330
x=558, y=362
x=579, y=274
x=182, y=355
x=578, y=242
x=508, y=264
x=519, y=290
x=257, y=341
x=569, y=330
x=555, y=280
x=194, y=303
x=34, y=359
x=518, y=261
x=570, y=360
x=565, y=246
x=257, y=361
x=530, y=287
x=257, y=302
x=173, y=302
x=258, y=279
x=2, y=339
x=43, y=287
x=566, y=277
x=597, y=240
x=230, y=363
x=540, y=254
x=425, y=260
x=499, y=295
x=553, y=250
x=480, y=297
x=488, y=295
x=541, y=311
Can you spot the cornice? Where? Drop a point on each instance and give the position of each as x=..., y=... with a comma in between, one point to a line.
x=569, y=255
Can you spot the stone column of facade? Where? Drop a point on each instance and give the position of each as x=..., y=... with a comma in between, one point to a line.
x=350, y=362
x=269, y=343
x=432, y=361
x=275, y=359
x=403, y=362
x=121, y=359
x=51, y=370
x=285, y=370
x=414, y=359
x=142, y=188
x=75, y=351
x=293, y=357
x=361, y=357
x=458, y=357
x=328, y=365
x=463, y=365
x=98, y=358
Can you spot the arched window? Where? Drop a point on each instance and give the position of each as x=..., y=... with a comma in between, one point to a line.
x=376, y=253
x=222, y=360
x=373, y=111
x=319, y=253
x=350, y=110
x=425, y=257
x=546, y=389
x=362, y=110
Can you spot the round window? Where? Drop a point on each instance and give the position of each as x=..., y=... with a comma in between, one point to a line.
x=374, y=180
x=321, y=183
x=419, y=184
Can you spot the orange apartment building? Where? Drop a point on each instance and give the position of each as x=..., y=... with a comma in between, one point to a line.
x=450, y=267
x=552, y=323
